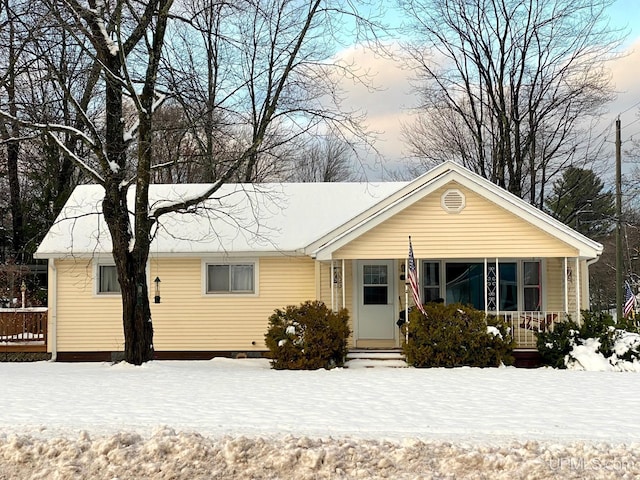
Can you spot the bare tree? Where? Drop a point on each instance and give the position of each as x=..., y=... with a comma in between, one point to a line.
x=509, y=86
x=224, y=65
x=326, y=159
x=39, y=70
x=14, y=37
x=126, y=42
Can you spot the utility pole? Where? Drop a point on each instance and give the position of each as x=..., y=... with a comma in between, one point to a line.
x=619, y=297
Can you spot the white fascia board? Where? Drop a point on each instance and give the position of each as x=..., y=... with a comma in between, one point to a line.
x=152, y=254
x=586, y=247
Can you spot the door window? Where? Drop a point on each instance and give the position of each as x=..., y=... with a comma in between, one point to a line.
x=375, y=282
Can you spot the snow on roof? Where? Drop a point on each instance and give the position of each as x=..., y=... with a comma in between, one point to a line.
x=239, y=218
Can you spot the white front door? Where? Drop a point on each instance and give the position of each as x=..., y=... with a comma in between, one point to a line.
x=376, y=294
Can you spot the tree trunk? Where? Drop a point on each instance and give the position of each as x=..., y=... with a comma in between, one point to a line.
x=136, y=315
x=132, y=276
x=13, y=149
x=130, y=262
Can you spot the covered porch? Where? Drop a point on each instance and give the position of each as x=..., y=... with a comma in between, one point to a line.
x=530, y=294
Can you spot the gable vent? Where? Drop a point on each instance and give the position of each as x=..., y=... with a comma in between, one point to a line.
x=453, y=201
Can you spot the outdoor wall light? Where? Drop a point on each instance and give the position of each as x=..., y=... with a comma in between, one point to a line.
x=156, y=298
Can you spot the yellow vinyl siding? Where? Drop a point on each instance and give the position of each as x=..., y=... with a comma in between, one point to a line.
x=482, y=229
x=186, y=319
x=86, y=322
x=554, y=284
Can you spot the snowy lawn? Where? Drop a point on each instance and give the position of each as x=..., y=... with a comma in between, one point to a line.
x=240, y=419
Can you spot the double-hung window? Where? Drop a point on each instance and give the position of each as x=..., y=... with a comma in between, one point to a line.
x=230, y=278
x=107, y=279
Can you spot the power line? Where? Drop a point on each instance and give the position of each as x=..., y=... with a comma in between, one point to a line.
x=630, y=108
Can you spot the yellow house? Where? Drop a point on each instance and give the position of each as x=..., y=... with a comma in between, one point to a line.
x=254, y=248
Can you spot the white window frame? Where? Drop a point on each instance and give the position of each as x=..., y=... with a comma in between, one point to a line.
x=97, y=264
x=541, y=280
x=230, y=262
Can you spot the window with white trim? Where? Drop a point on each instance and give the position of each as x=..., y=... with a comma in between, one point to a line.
x=532, y=286
x=230, y=278
x=107, y=281
x=431, y=281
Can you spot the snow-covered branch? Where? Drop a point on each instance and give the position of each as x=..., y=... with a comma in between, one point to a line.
x=49, y=128
x=84, y=165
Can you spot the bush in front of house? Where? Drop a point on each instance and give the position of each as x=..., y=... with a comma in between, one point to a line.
x=554, y=345
x=456, y=335
x=308, y=337
x=598, y=343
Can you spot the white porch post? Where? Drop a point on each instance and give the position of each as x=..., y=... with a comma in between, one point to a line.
x=333, y=286
x=486, y=281
x=342, y=284
x=497, y=287
x=577, y=276
x=566, y=287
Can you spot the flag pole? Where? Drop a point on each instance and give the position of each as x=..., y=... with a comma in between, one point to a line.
x=406, y=312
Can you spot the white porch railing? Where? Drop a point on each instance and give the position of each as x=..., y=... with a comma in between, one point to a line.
x=524, y=325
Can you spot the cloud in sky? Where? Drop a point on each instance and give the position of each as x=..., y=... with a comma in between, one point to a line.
x=625, y=73
x=388, y=107
x=386, y=102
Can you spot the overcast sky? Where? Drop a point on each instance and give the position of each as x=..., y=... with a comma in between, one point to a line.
x=387, y=109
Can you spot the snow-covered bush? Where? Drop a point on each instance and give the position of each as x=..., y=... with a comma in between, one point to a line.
x=307, y=337
x=597, y=344
x=456, y=335
x=554, y=345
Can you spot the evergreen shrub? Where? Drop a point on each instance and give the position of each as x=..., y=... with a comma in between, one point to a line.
x=456, y=335
x=307, y=337
x=616, y=342
x=554, y=345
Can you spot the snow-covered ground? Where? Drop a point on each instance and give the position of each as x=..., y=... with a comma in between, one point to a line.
x=226, y=418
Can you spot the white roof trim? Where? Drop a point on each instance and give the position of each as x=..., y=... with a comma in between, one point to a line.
x=153, y=255
x=431, y=181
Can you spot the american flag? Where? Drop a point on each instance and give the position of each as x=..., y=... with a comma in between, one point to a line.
x=413, y=280
x=629, y=299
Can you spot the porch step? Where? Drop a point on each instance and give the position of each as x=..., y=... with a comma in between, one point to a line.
x=370, y=358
